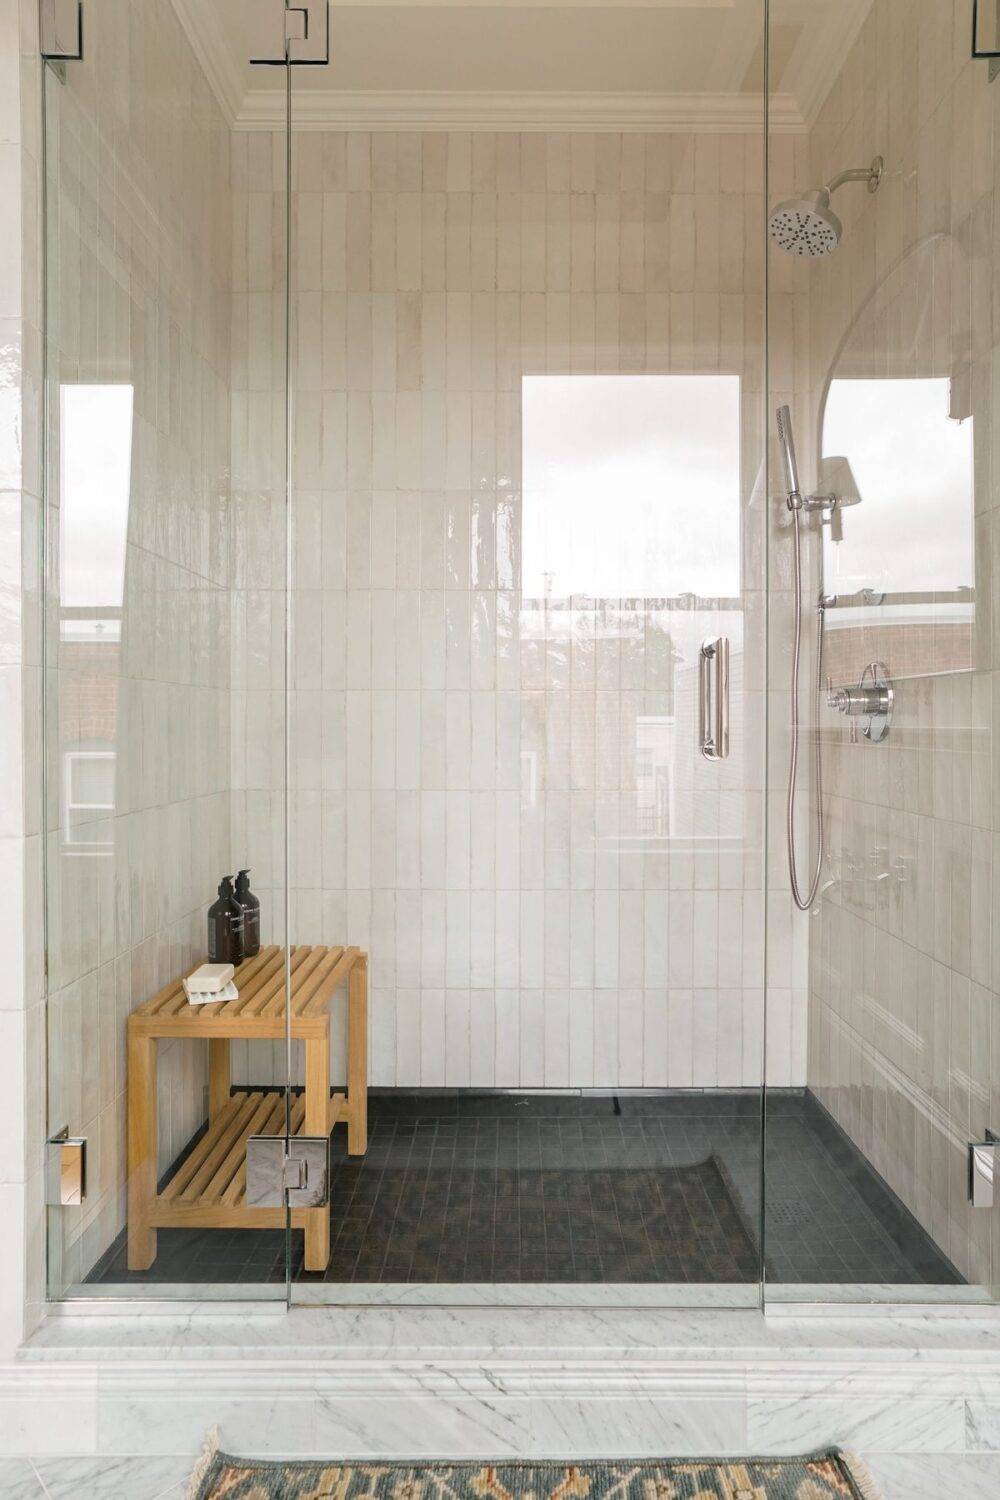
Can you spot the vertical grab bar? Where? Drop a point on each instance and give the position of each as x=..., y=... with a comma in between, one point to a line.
x=713, y=697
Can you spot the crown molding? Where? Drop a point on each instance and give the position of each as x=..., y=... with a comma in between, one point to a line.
x=716, y=113
x=536, y=4
x=328, y=109
x=829, y=48
x=212, y=49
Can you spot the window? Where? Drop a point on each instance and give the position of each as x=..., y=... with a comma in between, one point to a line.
x=96, y=466
x=909, y=464
x=631, y=486
x=88, y=798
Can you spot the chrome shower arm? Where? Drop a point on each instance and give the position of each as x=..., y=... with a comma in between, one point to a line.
x=854, y=174
x=872, y=175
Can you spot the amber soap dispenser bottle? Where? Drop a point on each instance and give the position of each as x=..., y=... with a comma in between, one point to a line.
x=225, y=927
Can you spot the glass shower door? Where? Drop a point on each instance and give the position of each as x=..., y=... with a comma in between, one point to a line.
x=528, y=505
x=881, y=337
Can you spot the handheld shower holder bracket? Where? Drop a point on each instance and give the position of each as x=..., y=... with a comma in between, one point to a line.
x=825, y=503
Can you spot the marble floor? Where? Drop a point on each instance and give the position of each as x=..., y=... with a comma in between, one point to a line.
x=915, y=1393
x=905, y=1476
x=654, y=1188
x=94, y=1478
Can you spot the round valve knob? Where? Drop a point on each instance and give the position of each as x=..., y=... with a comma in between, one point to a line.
x=871, y=700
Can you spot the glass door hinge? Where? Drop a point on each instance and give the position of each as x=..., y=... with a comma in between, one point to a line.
x=986, y=33
x=289, y=31
x=982, y=1170
x=60, y=30
x=65, y=1169
x=292, y=1173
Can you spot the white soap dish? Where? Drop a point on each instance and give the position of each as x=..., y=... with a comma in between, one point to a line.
x=210, y=984
x=203, y=997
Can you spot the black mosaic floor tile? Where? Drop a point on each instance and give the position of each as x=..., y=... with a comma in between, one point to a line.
x=535, y=1188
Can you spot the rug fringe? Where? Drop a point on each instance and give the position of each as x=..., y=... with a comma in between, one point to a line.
x=861, y=1475
x=209, y=1448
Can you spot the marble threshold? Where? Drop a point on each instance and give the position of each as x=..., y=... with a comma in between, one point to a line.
x=798, y=1298
x=380, y=1382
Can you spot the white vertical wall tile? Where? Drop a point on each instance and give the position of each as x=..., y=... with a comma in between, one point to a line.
x=525, y=929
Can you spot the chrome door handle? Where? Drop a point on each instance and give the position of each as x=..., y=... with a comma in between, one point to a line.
x=713, y=697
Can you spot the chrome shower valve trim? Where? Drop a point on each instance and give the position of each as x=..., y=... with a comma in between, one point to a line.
x=871, y=700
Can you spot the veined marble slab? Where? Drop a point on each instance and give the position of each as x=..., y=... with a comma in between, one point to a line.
x=896, y=1421
x=819, y=1299
x=928, y=1476
x=492, y=1382
x=142, y=1478
x=528, y=1294
x=525, y=1336
x=19, y=1480
x=832, y=1299
x=443, y=1294
x=983, y=1419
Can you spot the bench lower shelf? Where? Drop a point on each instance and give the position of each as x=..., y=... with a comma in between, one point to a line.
x=208, y=1189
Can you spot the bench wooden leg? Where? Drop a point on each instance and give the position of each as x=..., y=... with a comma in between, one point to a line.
x=141, y=1150
x=219, y=1075
x=357, y=1059
x=317, y=1122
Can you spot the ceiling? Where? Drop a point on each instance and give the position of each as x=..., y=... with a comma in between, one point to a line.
x=524, y=64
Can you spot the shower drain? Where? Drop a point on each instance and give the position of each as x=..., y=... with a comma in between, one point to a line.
x=785, y=1215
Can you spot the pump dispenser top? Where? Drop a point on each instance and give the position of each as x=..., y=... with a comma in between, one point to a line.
x=251, y=914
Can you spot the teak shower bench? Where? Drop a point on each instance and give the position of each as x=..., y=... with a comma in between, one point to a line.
x=208, y=1189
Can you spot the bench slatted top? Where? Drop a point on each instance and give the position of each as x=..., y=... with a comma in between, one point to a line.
x=259, y=1008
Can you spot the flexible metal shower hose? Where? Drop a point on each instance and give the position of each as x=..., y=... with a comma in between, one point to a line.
x=804, y=903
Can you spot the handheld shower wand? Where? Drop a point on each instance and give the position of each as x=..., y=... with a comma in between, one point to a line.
x=796, y=503
x=787, y=440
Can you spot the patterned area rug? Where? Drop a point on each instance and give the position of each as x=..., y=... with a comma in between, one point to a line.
x=832, y=1475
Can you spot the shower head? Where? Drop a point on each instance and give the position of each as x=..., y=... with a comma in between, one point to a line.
x=807, y=225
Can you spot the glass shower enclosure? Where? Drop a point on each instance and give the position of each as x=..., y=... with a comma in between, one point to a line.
x=417, y=540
